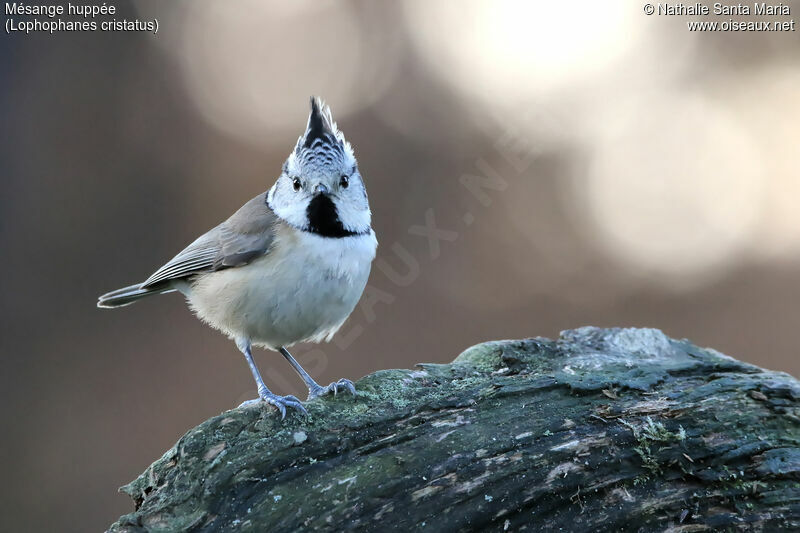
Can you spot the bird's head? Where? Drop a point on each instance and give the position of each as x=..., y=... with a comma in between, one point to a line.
x=320, y=189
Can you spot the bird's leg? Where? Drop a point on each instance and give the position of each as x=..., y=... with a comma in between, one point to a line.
x=314, y=388
x=264, y=394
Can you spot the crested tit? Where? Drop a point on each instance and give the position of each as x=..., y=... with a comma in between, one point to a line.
x=289, y=266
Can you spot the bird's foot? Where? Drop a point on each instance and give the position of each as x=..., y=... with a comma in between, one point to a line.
x=342, y=384
x=280, y=402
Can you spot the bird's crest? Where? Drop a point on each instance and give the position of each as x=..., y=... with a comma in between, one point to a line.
x=321, y=127
x=322, y=142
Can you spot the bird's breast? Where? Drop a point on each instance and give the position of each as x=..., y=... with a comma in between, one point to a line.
x=302, y=289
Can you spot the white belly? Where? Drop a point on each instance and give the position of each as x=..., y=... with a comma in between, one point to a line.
x=302, y=290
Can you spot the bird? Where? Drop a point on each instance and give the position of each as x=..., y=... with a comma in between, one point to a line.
x=289, y=266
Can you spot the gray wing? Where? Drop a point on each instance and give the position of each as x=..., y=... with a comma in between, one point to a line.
x=246, y=235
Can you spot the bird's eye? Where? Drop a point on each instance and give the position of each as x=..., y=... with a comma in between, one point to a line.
x=297, y=184
x=344, y=182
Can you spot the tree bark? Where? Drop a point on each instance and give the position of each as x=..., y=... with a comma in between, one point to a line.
x=600, y=430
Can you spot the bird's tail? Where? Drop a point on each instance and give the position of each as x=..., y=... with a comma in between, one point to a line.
x=127, y=295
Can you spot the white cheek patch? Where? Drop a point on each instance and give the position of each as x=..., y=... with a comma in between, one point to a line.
x=293, y=214
x=292, y=210
x=354, y=217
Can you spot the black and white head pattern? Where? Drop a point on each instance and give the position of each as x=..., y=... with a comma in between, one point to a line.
x=320, y=189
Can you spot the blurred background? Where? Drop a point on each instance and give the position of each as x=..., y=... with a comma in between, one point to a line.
x=532, y=167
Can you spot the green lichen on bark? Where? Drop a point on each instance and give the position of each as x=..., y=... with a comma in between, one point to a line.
x=599, y=430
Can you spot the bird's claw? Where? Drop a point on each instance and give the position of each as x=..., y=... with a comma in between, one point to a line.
x=334, y=387
x=280, y=402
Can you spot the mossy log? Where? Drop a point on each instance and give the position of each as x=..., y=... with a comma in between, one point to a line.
x=600, y=430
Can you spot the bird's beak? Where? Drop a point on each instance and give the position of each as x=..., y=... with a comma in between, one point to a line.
x=321, y=189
